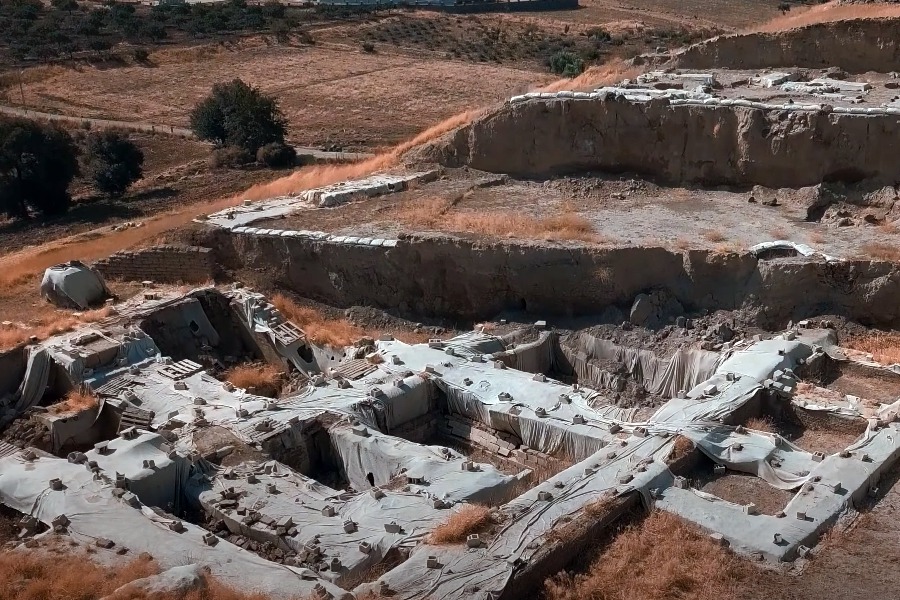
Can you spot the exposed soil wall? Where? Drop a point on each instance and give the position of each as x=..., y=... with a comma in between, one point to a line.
x=856, y=46
x=711, y=145
x=453, y=278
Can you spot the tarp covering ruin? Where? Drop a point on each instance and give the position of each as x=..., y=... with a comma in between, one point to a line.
x=73, y=285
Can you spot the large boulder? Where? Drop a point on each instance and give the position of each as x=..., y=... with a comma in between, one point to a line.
x=73, y=285
x=177, y=581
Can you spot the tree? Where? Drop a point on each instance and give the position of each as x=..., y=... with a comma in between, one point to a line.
x=239, y=115
x=37, y=163
x=112, y=162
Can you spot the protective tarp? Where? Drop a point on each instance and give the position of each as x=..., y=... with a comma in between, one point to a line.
x=34, y=384
x=531, y=357
x=69, y=352
x=780, y=247
x=154, y=477
x=768, y=456
x=404, y=401
x=73, y=285
x=383, y=458
x=94, y=512
x=584, y=354
x=321, y=513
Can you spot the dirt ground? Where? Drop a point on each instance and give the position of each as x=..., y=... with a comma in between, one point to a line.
x=622, y=211
x=176, y=173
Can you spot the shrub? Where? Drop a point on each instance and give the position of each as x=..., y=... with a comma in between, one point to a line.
x=112, y=162
x=566, y=63
x=368, y=47
x=37, y=163
x=140, y=55
x=230, y=157
x=469, y=519
x=277, y=155
x=239, y=115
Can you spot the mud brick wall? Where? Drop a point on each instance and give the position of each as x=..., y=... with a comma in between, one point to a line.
x=163, y=264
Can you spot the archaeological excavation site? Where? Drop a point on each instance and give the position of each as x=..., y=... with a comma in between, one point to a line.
x=477, y=367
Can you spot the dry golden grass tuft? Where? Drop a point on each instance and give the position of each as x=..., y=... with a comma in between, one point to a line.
x=45, y=576
x=662, y=558
x=682, y=447
x=75, y=401
x=319, y=329
x=438, y=214
x=883, y=346
x=778, y=233
x=881, y=251
x=469, y=519
x=317, y=176
x=259, y=379
x=826, y=13
x=51, y=323
x=761, y=424
x=600, y=506
x=39, y=576
x=714, y=235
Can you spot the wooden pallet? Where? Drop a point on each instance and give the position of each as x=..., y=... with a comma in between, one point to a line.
x=180, y=370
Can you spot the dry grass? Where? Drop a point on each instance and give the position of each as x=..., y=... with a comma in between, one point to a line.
x=610, y=72
x=826, y=13
x=682, y=447
x=600, y=506
x=46, y=326
x=883, y=346
x=881, y=251
x=75, y=401
x=764, y=424
x=317, y=176
x=816, y=237
x=319, y=329
x=778, y=233
x=469, y=519
x=44, y=576
x=438, y=214
x=662, y=558
x=259, y=379
x=714, y=235
x=38, y=576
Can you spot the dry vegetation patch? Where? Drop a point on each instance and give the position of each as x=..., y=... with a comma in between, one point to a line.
x=46, y=326
x=469, y=519
x=761, y=424
x=663, y=557
x=259, y=379
x=881, y=251
x=319, y=328
x=883, y=346
x=438, y=214
x=45, y=576
x=681, y=448
x=75, y=401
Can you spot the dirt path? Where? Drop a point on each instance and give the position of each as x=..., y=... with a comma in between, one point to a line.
x=95, y=123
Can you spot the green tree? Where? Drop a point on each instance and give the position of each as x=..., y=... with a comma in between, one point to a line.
x=239, y=115
x=112, y=162
x=37, y=163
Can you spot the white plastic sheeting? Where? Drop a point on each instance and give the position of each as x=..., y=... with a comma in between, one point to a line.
x=384, y=458
x=94, y=512
x=787, y=245
x=73, y=285
x=660, y=376
x=304, y=500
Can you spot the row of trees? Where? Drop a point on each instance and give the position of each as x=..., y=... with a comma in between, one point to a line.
x=31, y=29
x=38, y=163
